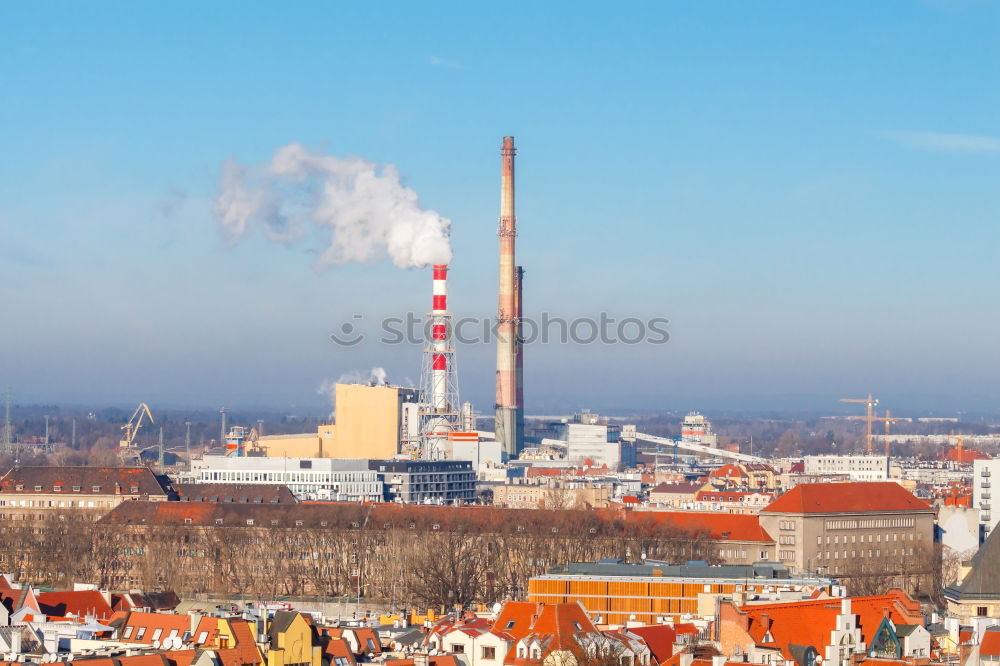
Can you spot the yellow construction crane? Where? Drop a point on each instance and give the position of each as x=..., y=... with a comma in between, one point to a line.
x=889, y=421
x=131, y=430
x=870, y=402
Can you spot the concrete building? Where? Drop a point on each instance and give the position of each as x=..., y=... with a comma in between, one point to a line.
x=482, y=454
x=371, y=422
x=333, y=479
x=653, y=590
x=592, y=441
x=426, y=481
x=984, y=471
x=826, y=527
x=857, y=468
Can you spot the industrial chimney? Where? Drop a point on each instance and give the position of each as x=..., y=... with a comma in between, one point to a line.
x=509, y=412
x=439, y=413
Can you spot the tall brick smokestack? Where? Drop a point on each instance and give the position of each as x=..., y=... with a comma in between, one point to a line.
x=508, y=411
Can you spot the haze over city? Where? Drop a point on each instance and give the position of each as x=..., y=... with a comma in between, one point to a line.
x=807, y=192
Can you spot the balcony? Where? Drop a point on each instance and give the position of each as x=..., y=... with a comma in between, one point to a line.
x=984, y=496
x=985, y=473
x=984, y=484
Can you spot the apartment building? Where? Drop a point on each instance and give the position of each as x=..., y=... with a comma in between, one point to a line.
x=984, y=471
x=42, y=493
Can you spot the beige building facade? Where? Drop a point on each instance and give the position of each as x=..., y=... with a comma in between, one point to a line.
x=371, y=422
x=833, y=528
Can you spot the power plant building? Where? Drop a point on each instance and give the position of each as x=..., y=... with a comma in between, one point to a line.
x=371, y=422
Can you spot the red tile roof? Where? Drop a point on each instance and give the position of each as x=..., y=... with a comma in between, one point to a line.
x=659, y=639
x=990, y=645
x=719, y=526
x=79, y=603
x=728, y=471
x=111, y=480
x=854, y=497
x=810, y=622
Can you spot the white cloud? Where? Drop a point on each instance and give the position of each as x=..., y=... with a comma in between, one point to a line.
x=945, y=142
x=444, y=62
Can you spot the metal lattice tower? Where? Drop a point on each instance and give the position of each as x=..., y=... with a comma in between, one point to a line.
x=440, y=412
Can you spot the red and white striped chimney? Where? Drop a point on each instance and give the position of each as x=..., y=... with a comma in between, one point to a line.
x=439, y=335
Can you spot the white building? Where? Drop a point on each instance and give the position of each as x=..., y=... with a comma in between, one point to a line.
x=983, y=473
x=336, y=479
x=698, y=429
x=857, y=468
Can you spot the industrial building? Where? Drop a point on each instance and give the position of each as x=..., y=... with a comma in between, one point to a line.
x=590, y=441
x=617, y=593
x=698, y=429
x=372, y=421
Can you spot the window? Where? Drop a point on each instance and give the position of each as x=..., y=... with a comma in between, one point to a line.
x=457, y=648
x=578, y=627
x=202, y=637
x=187, y=521
x=95, y=489
x=489, y=652
x=38, y=488
x=510, y=625
x=157, y=634
x=76, y=489
x=250, y=521
x=371, y=645
x=128, y=632
x=982, y=611
x=139, y=634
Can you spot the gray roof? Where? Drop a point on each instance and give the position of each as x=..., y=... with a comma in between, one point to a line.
x=983, y=580
x=663, y=569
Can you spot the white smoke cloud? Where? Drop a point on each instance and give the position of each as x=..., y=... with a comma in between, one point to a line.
x=328, y=387
x=352, y=209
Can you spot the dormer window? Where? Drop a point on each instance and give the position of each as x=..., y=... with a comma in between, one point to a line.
x=19, y=487
x=134, y=489
x=76, y=489
x=38, y=489
x=187, y=521
x=250, y=521
x=95, y=489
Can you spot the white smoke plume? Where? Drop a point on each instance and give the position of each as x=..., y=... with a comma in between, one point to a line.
x=328, y=387
x=351, y=209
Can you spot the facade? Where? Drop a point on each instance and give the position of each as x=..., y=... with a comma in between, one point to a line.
x=857, y=468
x=984, y=471
x=372, y=421
x=674, y=495
x=553, y=495
x=833, y=528
x=652, y=592
x=325, y=479
x=44, y=493
x=426, y=481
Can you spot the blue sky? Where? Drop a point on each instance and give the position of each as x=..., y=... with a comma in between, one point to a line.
x=807, y=190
